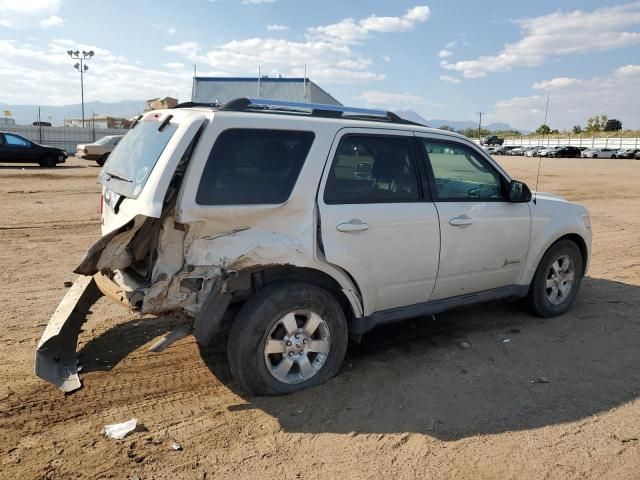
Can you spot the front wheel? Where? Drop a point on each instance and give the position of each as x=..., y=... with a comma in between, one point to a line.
x=287, y=337
x=557, y=280
x=614, y=157
x=48, y=162
x=102, y=160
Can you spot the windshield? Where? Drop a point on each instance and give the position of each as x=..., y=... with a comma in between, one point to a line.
x=133, y=159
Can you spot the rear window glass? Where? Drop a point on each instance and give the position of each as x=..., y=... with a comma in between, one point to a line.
x=251, y=166
x=129, y=165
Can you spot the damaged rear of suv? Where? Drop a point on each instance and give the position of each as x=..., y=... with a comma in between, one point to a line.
x=318, y=223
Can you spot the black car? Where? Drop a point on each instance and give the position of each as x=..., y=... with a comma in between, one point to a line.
x=492, y=140
x=566, y=152
x=17, y=149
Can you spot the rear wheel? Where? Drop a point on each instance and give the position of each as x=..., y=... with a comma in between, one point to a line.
x=613, y=156
x=102, y=160
x=289, y=336
x=48, y=162
x=557, y=280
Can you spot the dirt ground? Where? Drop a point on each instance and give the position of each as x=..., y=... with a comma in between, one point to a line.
x=530, y=398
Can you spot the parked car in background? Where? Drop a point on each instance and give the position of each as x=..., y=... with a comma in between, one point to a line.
x=517, y=151
x=98, y=150
x=17, y=149
x=600, y=153
x=295, y=230
x=565, y=152
x=491, y=140
x=549, y=151
x=534, y=151
x=504, y=150
x=627, y=152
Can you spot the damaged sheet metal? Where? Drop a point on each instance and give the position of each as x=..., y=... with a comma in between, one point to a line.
x=56, y=359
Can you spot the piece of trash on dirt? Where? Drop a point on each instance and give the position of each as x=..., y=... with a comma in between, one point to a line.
x=465, y=344
x=68, y=284
x=117, y=431
x=540, y=380
x=506, y=340
x=176, y=446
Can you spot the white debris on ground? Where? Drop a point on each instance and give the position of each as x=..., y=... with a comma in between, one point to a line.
x=118, y=431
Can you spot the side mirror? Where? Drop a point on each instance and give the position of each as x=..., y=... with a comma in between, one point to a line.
x=519, y=192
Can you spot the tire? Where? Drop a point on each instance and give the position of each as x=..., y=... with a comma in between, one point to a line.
x=48, y=162
x=103, y=159
x=613, y=157
x=594, y=156
x=539, y=293
x=261, y=318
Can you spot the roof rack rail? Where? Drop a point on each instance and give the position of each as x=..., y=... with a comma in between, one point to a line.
x=198, y=104
x=313, y=109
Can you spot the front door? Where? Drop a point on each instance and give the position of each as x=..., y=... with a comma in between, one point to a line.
x=485, y=238
x=376, y=222
x=16, y=149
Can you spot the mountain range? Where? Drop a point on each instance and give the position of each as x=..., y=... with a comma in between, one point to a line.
x=455, y=124
x=26, y=114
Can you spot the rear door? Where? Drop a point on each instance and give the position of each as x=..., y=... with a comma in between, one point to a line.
x=377, y=222
x=484, y=238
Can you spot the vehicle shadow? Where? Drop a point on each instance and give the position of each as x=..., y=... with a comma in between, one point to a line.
x=477, y=370
x=19, y=166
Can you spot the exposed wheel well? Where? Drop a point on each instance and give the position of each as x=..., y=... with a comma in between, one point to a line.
x=248, y=282
x=582, y=245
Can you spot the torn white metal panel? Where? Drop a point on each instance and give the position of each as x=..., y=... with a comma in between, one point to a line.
x=170, y=254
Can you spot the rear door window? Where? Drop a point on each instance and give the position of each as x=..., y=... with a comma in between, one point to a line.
x=372, y=169
x=253, y=166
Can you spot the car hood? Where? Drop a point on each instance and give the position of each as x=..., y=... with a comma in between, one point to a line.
x=548, y=196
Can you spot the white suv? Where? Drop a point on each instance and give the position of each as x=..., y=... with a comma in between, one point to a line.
x=316, y=223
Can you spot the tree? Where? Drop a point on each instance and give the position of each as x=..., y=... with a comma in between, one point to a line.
x=594, y=124
x=543, y=130
x=612, y=125
x=446, y=127
x=577, y=129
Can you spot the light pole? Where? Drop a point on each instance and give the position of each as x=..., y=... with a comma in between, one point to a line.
x=81, y=67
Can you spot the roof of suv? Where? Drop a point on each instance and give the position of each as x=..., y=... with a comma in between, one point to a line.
x=314, y=112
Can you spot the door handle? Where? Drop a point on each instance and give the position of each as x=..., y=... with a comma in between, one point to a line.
x=461, y=221
x=354, y=225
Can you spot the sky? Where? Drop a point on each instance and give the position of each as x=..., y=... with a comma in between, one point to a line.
x=443, y=59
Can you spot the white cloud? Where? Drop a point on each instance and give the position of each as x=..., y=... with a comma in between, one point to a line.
x=277, y=28
x=330, y=52
x=110, y=77
x=555, y=83
x=52, y=21
x=444, y=53
x=20, y=13
x=188, y=50
x=349, y=30
x=573, y=100
x=376, y=98
x=171, y=30
x=450, y=79
x=256, y=2
x=558, y=34
x=174, y=65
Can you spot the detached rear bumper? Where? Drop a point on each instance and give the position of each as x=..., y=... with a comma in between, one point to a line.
x=56, y=360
